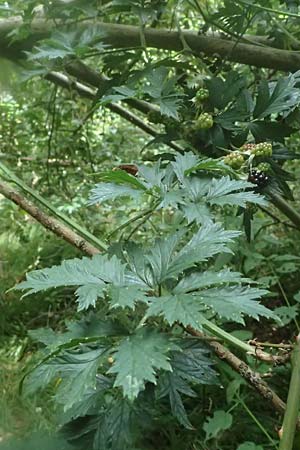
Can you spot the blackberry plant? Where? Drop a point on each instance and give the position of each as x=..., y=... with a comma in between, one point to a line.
x=141, y=304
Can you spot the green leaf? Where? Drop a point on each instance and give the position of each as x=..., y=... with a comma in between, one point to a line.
x=193, y=363
x=172, y=385
x=200, y=280
x=190, y=365
x=177, y=308
x=282, y=97
x=161, y=254
x=120, y=177
x=287, y=313
x=153, y=175
x=116, y=426
x=90, y=274
x=87, y=295
x=89, y=326
x=183, y=163
x=76, y=373
x=223, y=191
x=126, y=296
x=161, y=87
x=232, y=303
x=210, y=164
x=110, y=191
x=89, y=402
x=196, y=211
x=208, y=241
x=137, y=359
x=221, y=92
x=220, y=421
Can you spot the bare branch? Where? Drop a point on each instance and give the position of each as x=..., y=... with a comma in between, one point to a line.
x=253, y=378
x=87, y=92
x=47, y=221
x=124, y=36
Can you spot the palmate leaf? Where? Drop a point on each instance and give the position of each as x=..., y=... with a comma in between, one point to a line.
x=183, y=163
x=90, y=401
x=230, y=303
x=223, y=191
x=160, y=256
x=208, y=241
x=280, y=97
x=126, y=296
x=115, y=426
x=110, y=191
x=91, y=274
x=161, y=87
x=137, y=359
x=172, y=385
x=182, y=308
x=200, y=280
x=191, y=364
x=76, y=373
x=233, y=303
x=110, y=423
x=197, y=212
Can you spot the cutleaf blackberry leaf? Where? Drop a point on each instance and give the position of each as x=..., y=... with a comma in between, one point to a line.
x=76, y=373
x=208, y=241
x=110, y=191
x=126, y=296
x=178, y=308
x=89, y=403
x=116, y=425
x=160, y=256
x=183, y=163
x=199, y=280
x=121, y=177
x=189, y=365
x=92, y=275
x=172, y=385
x=137, y=359
x=281, y=97
x=233, y=303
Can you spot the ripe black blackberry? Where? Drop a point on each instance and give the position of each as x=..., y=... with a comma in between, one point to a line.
x=258, y=177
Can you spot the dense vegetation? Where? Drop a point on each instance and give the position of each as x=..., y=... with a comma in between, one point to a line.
x=149, y=211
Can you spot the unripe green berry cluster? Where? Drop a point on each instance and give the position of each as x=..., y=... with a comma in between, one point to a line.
x=204, y=121
x=234, y=160
x=264, y=167
x=262, y=149
x=202, y=94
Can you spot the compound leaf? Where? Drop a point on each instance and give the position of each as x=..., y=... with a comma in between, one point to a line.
x=137, y=359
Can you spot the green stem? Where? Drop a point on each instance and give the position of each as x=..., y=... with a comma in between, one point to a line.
x=134, y=219
x=230, y=339
x=82, y=231
x=260, y=426
x=293, y=402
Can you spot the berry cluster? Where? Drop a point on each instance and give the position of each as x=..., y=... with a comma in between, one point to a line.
x=247, y=148
x=263, y=149
x=234, y=160
x=264, y=167
x=204, y=121
x=202, y=94
x=259, y=178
